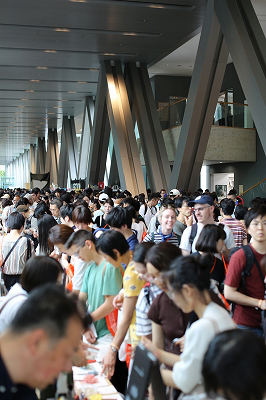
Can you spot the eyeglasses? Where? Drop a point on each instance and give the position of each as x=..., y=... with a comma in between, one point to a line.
x=200, y=209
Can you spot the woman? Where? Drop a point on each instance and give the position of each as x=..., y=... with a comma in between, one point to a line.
x=165, y=233
x=211, y=240
x=137, y=225
x=81, y=218
x=168, y=320
x=38, y=271
x=188, y=282
x=100, y=220
x=44, y=225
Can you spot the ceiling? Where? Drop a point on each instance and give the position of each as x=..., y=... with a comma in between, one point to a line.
x=50, y=52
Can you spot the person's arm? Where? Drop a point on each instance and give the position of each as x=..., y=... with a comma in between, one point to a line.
x=167, y=378
x=232, y=294
x=83, y=297
x=104, y=309
x=110, y=359
x=185, y=253
x=157, y=335
x=163, y=356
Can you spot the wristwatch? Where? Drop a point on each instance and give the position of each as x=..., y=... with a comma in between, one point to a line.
x=113, y=348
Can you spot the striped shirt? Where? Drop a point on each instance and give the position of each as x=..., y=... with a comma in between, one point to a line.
x=238, y=229
x=17, y=259
x=145, y=299
x=158, y=237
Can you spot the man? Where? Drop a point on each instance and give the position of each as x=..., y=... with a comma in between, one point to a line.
x=249, y=298
x=203, y=209
x=184, y=217
x=227, y=207
x=36, y=196
x=120, y=220
x=174, y=193
x=55, y=206
x=39, y=344
x=101, y=282
x=16, y=200
x=147, y=211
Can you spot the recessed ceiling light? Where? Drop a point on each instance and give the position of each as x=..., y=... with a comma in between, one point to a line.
x=46, y=118
x=63, y=100
x=29, y=91
x=24, y=99
x=71, y=92
x=41, y=123
x=62, y=30
x=35, y=80
x=57, y=107
x=78, y=1
x=50, y=113
x=18, y=112
x=109, y=54
x=81, y=82
x=42, y=68
x=21, y=106
x=221, y=162
x=50, y=51
x=129, y=34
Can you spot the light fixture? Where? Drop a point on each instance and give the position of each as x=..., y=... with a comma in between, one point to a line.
x=62, y=30
x=50, y=51
x=71, y=92
x=21, y=106
x=50, y=113
x=63, y=100
x=42, y=68
x=29, y=91
x=81, y=82
x=35, y=80
x=24, y=99
x=57, y=107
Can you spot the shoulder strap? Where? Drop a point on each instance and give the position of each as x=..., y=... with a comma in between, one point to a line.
x=146, y=208
x=193, y=233
x=10, y=251
x=11, y=298
x=28, y=248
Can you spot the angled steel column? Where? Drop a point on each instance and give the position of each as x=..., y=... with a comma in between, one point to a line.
x=125, y=145
x=204, y=90
x=247, y=45
x=100, y=134
x=63, y=162
x=51, y=163
x=154, y=150
x=88, y=116
x=41, y=156
x=32, y=163
x=72, y=148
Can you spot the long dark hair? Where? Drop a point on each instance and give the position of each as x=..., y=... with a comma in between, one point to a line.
x=44, y=225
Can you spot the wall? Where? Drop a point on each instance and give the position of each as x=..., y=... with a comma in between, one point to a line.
x=247, y=174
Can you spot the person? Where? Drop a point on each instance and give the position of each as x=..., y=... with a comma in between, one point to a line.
x=39, y=343
x=38, y=271
x=16, y=199
x=36, y=196
x=132, y=285
x=100, y=221
x=184, y=217
x=188, y=283
x=165, y=233
x=15, y=250
x=55, y=206
x=203, y=209
x=120, y=219
x=112, y=246
x=137, y=225
x=168, y=321
x=248, y=296
x=100, y=284
x=227, y=207
x=44, y=225
x=174, y=193
x=240, y=212
x=234, y=366
x=147, y=211
x=66, y=215
x=81, y=218
x=7, y=206
x=96, y=209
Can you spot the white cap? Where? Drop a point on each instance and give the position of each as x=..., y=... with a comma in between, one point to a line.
x=6, y=196
x=174, y=192
x=103, y=197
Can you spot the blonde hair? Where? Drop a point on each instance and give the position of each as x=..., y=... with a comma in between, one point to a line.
x=163, y=208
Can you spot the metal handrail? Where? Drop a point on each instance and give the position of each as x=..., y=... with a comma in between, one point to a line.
x=252, y=187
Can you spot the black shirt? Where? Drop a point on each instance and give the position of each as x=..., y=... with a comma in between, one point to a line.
x=11, y=391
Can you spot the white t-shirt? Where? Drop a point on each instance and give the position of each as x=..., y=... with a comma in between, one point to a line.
x=13, y=305
x=97, y=213
x=80, y=267
x=185, y=245
x=187, y=372
x=150, y=212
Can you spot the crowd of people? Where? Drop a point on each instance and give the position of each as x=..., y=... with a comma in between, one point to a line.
x=180, y=272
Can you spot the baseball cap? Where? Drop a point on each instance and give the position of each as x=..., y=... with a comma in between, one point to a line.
x=204, y=199
x=22, y=208
x=103, y=197
x=174, y=192
x=28, y=196
x=6, y=196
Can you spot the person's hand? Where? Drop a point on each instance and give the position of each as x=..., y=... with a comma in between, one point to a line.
x=109, y=364
x=189, y=220
x=180, y=342
x=89, y=335
x=79, y=358
x=262, y=304
x=55, y=255
x=118, y=300
x=150, y=346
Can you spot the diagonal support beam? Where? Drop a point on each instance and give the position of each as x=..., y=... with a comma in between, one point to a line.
x=247, y=45
x=52, y=155
x=41, y=156
x=71, y=144
x=204, y=90
x=151, y=137
x=88, y=116
x=125, y=145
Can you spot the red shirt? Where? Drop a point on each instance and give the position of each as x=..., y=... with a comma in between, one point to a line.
x=245, y=315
